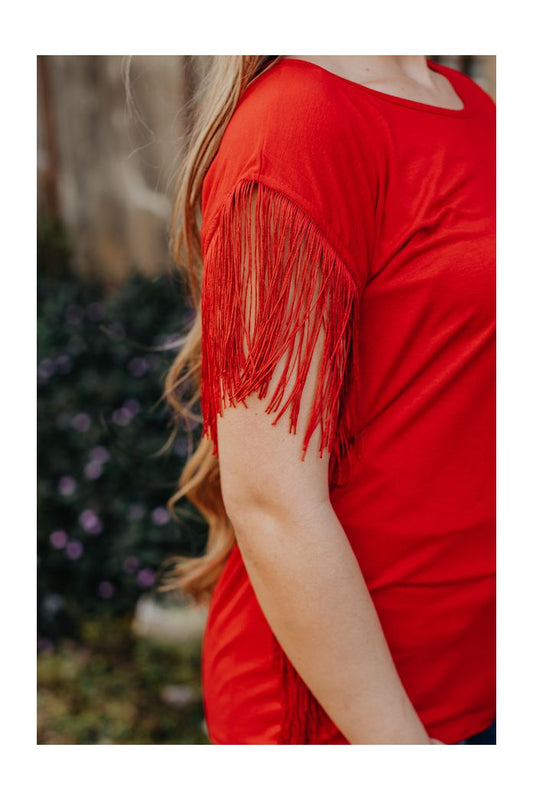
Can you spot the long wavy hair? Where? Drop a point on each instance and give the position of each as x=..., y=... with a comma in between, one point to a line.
x=214, y=101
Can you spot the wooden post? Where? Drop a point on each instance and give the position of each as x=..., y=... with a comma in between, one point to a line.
x=47, y=163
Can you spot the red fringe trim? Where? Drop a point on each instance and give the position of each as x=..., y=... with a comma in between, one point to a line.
x=271, y=284
x=302, y=713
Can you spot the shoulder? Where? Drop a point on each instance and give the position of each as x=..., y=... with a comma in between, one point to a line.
x=300, y=133
x=284, y=115
x=293, y=111
x=468, y=87
x=286, y=99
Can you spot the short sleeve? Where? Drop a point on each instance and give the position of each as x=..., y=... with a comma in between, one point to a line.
x=288, y=234
x=273, y=290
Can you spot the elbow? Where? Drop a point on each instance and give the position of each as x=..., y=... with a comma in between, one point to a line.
x=248, y=503
x=250, y=493
x=261, y=511
x=263, y=528
x=257, y=521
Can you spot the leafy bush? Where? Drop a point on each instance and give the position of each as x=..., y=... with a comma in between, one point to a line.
x=103, y=525
x=111, y=687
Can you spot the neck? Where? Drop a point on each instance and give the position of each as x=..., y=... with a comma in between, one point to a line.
x=375, y=68
x=414, y=67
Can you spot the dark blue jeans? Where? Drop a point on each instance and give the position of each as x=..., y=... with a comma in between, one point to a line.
x=487, y=736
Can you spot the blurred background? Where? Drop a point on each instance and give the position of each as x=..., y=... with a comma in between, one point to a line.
x=118, y=663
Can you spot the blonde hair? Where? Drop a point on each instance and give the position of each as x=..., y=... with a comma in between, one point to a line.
x=214, y=102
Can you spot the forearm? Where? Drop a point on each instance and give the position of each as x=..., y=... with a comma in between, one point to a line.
x=313, y=594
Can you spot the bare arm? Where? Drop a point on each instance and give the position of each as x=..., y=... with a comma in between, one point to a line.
x=307, y=579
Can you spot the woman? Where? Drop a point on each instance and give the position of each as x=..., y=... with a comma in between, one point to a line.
x=344, y=355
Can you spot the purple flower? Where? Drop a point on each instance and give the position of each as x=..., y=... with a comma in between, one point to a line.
x=63, y=364
x=44, y=646
x=132, y=406
x=160, y=516
x=138, y=367
x=90, y=521
x=66, y=485
x=45, y=370
x=135, y=512
x=93, y=470
x=58, y=539
x=74, y=549
x=121, y=416
x=146, y=577
x=81, y=422
x=106, y=590
x=99, y=453
x=52, y=603
x=130, y=564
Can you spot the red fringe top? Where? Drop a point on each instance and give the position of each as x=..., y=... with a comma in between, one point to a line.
x=370, y=218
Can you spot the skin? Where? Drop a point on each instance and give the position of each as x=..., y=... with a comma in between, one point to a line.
x=403, y=76
x=305, y=575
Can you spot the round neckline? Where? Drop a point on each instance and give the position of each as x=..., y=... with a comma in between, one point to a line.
x=403, y=101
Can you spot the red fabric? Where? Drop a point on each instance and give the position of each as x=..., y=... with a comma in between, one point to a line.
x=378, y=214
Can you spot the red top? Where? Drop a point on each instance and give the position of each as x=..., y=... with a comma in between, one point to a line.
x=385, y=208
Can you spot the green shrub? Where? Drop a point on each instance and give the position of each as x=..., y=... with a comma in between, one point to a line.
x=111, y=687
x=103, y=526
